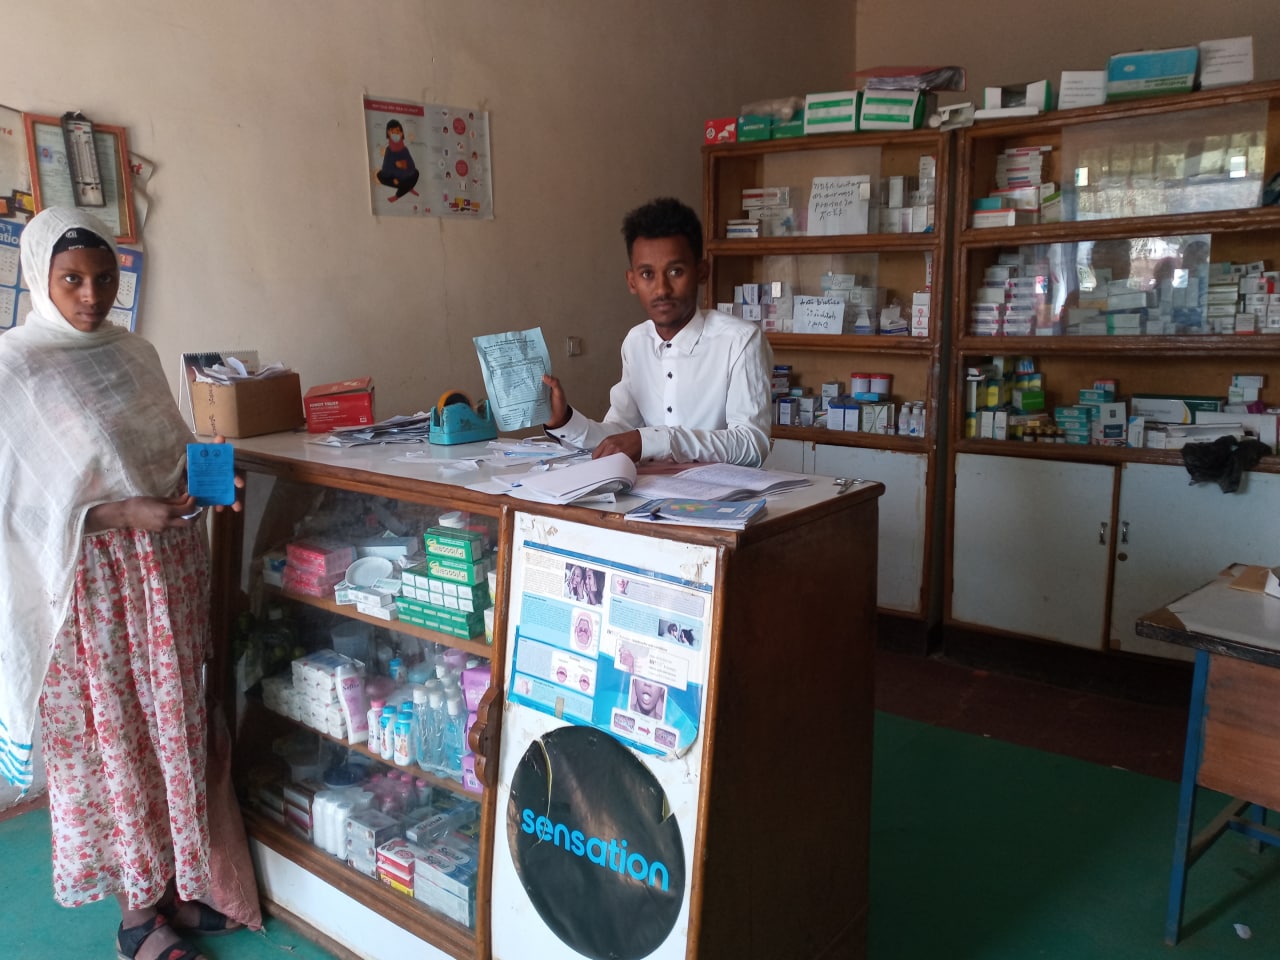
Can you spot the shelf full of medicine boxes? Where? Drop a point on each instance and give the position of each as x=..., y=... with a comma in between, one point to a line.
x=1130, y=189
x=288, y=503
x=894, y=261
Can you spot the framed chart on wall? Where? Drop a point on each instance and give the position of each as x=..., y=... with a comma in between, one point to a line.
x=51, y=180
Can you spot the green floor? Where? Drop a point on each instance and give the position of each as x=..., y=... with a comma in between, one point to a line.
x=981, y=850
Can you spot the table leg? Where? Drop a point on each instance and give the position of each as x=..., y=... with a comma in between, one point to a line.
x=1192, y=753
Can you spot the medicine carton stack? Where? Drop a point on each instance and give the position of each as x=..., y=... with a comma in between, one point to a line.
x=1022, y=195
x=768, y=213
x=315, y=567
x=768, y=303
x=1014, y=300
x=449, y=591
x=907, y=203
x=315, y=692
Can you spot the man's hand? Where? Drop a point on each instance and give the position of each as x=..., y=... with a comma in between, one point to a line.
x=559, y=405
x=628, y=443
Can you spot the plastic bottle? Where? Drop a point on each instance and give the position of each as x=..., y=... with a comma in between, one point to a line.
x=455, y=738
x=387, y=724
x=921, y=416
x=917, y=419
x=904, y=419
x=400, y=741
x=433, y=753
x=421, y=723
x=374, y=728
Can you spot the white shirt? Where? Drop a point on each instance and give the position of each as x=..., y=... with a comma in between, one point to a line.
x=703, y=395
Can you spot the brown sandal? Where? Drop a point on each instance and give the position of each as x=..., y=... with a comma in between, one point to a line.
x=129, y=941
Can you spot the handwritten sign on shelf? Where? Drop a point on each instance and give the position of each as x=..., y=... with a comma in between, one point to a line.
x=839, y=205
x=818, y=315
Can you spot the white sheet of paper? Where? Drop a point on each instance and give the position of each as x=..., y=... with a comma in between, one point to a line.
x=513, y=364
x=817, y=315
x=1226, y=62
x=839, y=205
x=1082, y=88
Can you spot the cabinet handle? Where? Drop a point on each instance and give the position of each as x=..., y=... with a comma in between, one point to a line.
x=1124, y=531
x=1102, y=533
x=484, y=735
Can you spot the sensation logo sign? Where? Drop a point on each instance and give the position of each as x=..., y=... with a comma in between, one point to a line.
x=595, y=844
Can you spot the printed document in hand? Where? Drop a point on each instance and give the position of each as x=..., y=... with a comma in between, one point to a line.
x=576, y=480
x=718, y=481
x=513, y=364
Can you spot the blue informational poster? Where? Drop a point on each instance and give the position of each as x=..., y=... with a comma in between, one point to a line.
x=612, y=646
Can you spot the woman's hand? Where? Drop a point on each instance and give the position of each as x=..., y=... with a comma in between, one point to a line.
x=238, y=505
x=152, y=514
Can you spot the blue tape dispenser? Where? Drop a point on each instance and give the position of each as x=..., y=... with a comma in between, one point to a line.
x=454, y=421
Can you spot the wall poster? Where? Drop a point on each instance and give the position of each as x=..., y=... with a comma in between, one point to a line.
x=428, y=159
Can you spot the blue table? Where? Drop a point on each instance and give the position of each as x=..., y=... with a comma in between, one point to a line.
x=1233, y=731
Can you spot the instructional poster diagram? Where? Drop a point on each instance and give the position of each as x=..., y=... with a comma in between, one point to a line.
x=613, y=645
x=428, y=160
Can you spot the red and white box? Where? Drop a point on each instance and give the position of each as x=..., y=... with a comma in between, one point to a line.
x=346, y=403
x=723, y=130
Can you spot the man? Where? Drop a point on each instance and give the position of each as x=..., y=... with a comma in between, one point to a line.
x=695, y=383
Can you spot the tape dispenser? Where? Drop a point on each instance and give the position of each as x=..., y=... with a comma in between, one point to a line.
x=453, y=420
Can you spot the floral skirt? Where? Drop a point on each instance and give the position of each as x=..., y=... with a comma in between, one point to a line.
x=122, y=716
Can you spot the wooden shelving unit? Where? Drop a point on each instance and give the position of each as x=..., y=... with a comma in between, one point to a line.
x=1070, y=543
x=911, y=510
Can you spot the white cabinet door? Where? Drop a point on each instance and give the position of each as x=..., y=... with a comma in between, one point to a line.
x=900, y=565
x=1179, y=537
x=786, y=455
x=1026, y=554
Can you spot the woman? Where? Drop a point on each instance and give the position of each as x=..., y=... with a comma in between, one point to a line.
x=104, y=599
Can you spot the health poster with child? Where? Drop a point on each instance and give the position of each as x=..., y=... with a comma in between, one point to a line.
x=605, y=641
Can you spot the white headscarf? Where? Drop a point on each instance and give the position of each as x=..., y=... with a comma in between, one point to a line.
x=85, y=419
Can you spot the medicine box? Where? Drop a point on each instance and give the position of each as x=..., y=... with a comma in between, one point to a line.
x=1146, y=73
x=721, y=130
x=247, y=408
x=345, y=403
x=753, y=127
x=1172, y=409
x=451, y=542
x=831, y=112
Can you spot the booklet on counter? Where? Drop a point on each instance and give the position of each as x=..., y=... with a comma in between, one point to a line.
x=726, y=514
x=718, y=481
x=576, y=481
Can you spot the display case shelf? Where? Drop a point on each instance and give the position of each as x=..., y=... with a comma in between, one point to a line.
x=476, y=647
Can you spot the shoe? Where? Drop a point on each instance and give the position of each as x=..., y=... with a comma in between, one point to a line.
x=129, y=941
x=211, y=923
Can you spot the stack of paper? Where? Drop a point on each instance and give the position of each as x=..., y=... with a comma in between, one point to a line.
x=718, y=481
x=576, y=481
x=403, y=428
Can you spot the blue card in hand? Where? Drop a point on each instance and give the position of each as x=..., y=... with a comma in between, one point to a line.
x=211, y=474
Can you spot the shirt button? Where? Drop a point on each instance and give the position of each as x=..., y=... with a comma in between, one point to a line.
x=668, y=409
x=667, y=346
x=668, y=376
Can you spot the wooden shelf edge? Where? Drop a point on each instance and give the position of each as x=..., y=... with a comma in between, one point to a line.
x=1088, y=453
x=405, y=912
x=853, y=438
x=1211, y=344
x=1074, y=231
x=838, y=243
x=345, y=610
x=854, y=343
x=825, y=141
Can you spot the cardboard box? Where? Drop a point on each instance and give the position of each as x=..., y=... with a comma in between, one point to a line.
x=347, y=403
x=753, y=127
x=247, y=408
x=893, y=109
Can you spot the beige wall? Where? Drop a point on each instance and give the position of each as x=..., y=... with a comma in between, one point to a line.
x=259, y=232
x=260, y=235
x=1011, y=41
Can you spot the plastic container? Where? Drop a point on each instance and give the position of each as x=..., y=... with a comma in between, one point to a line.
x=454, y=518
x=351, y=638
x=881, y=383
x=859, y=383
x=455, y=737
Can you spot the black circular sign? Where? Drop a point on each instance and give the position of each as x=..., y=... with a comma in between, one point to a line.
x=595, y=844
